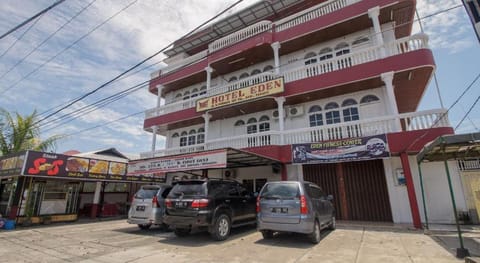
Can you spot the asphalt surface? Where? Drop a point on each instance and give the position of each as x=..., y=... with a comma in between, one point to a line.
x=117, y=241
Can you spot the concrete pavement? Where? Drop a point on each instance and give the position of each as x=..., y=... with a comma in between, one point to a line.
x=117, y=241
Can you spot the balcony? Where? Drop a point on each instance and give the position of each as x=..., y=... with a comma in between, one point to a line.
x=381, y=125
x=366, y=55
x=240, y=35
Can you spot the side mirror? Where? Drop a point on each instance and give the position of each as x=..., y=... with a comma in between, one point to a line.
x=330, y=197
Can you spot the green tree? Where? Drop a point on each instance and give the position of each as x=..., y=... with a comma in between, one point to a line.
x=19, y=133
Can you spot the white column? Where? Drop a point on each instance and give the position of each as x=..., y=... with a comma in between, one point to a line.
x=387, y=78
x=281, y=113
x=154, y=139
x=373, y=14
x=96, y=195
x=155, y=129
x=159, y=95
x=276, y=55
x=206, y=117
x=209, y=71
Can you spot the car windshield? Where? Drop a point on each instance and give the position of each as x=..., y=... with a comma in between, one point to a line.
x=281, y=191
x=146, y=193
x=188, y=188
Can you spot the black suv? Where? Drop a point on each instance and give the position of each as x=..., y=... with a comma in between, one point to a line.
x=209, y=204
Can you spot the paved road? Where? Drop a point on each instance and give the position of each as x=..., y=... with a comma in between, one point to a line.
x=117, y=241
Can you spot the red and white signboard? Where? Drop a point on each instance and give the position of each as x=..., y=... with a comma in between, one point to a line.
x=186, y=162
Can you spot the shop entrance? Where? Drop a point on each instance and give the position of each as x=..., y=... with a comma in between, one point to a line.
x=359, y=188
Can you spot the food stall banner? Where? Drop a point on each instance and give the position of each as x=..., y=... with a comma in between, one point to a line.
x=12, y=164
x=352, y=149
x=186, y=162
x=44, y=164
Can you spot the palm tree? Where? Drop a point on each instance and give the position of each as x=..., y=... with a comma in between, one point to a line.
x=20, y=133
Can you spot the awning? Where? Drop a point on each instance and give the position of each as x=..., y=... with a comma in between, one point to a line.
x=451, y=147
x=238, y=158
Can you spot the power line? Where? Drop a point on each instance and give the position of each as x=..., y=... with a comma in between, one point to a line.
x=104, y=124
x=68, y=47
x=135, y=66
x=31, y=19
x=468, y=112
x=48, y=38
x=20, y=37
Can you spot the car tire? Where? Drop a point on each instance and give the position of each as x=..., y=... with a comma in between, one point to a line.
x=164, y=226
x=315, y=237
x=267, y=234
x=333, y=224
x=144, y=226
x=181, y=232
x=221, y=228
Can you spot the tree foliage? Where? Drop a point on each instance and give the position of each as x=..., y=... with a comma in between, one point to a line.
x=20, y=133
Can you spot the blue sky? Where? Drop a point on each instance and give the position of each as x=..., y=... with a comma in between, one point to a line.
x=147, y=26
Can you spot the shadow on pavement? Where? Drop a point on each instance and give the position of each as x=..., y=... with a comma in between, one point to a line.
x=291, y=240
x=203, y=238
x=450, y=243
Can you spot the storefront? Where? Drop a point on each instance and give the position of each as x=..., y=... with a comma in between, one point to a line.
x=38, y=187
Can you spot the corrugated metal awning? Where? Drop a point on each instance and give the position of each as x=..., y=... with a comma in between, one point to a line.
x=451, y=147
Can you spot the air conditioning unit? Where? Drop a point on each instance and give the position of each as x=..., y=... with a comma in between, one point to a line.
x=295, y=111
x=275, y=114
x=229, y=174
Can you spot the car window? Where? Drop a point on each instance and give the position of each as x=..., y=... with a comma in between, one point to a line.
x=243, y=191
x=315, y=192
x=188, y=188
x=166, y=191
x=146, y=193
x=285, y=190
x=232, y=190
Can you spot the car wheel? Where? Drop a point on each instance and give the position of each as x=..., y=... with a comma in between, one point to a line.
x=267, y=234
x=181, y=232
x=164, y=226
x=221, y=228
x=333, y=224
x=315, y=235
x=144, y=226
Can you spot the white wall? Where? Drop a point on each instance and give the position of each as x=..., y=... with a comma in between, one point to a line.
x=437, y=193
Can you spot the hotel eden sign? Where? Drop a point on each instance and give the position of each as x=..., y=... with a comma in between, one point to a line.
x=241, y=95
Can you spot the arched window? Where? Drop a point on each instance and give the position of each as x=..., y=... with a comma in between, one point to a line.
x=183, y=139
x=350, y=110
x=232, y=79
x=252, y=126
x=333, y=114
x=192, y=135
x=342, y=49
x=178, y=97
x=186, y=95
x=326, y=53
x=175, y=135
x=201, y=136
x=315, y=116
x=264, y=124
x=267, y=68
x=239, y=123
x=369, y=98
x=255, y=72
x=194, y=93
x=203, y=90
x=310, y=58
x=244, y=75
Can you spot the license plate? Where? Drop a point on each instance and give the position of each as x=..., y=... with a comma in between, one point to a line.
x=181, y=204
x=140, y=208
x=283, y=210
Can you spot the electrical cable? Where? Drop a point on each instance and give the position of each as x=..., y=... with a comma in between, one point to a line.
x=68, y=47
x=48, y=38
x=20, y=37
x=468, y=112
x=31, y=18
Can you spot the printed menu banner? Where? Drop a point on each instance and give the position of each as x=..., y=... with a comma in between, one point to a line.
x=11, y=165
x=64, y=166
x=240, y=95
x=186, y=162
x=353, y=149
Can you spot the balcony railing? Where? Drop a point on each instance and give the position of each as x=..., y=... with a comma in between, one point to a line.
x=400, y=46
x=240, y=35
x=380, y=125
x=312, y=13
x=186, y=61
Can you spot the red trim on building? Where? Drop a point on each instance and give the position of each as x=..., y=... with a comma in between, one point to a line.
x=257, y=40
x=177, y=75
x=94, y=211
x=413, y=141
x=412, y=198
x=284, y=172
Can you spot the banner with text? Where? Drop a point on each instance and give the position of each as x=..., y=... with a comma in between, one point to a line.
x=12, y=165
x=240, y=95
x=353, y=149
x=186, y=162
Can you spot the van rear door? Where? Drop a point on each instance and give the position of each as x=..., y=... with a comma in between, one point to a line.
x=280, y=203
x=142, y=201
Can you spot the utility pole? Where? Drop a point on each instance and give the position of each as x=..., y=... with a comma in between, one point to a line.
x=473, y=10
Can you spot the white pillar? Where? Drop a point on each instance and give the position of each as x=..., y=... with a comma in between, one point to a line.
x=154, y=139
x=96, y=195
x=159, y=95
x=281, y=113
x=373, y=14
x=155, y=129
x=276, y=55
x=209, y=71
x=206, y=117
x=387, y=78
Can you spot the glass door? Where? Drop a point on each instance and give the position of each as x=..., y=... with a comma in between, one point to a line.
x=73, y=190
